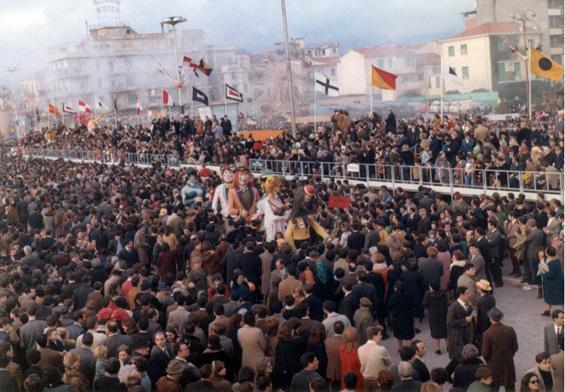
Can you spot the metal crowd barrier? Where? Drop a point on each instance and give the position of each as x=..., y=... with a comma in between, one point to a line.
x=393, y=175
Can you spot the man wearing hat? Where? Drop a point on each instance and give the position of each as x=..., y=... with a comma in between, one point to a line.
x=170, y=382
x=363, y=319
x=500, y=344
x=485, y=303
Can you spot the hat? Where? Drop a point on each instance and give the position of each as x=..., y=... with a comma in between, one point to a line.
x=405, y=148
x=175, y=367
x=495, y=314
x=484, y=285
x=309, y=190
x=365, y=302
x=314, y=254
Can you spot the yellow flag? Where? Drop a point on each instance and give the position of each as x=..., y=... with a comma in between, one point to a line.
x=544, y=67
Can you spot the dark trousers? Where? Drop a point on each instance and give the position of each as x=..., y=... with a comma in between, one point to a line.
x=496, y=270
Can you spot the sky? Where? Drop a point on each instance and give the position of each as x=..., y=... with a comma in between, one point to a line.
x=29, y=27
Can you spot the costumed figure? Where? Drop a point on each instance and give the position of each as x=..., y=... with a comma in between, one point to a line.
x=193, y=191
x=243, y=196
x=220, y=199
x=302, y=218
x=272, y=208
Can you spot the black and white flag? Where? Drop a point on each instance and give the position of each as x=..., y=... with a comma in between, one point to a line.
x=326, y=86
x=199, y=96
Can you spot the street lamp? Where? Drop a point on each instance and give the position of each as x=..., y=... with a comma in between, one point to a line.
x=10, y=71
x=289, y=70
x=173, y=21
x=524, y=17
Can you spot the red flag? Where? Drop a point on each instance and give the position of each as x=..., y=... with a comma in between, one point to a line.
x=53, y=110
x=383, y=79
x=166, y=98
x=339, y=202
x=83, y=107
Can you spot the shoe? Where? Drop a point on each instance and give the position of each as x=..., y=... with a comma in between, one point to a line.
x=546, y=313
x=526, y=287
x=417, y=330
x=438, y=352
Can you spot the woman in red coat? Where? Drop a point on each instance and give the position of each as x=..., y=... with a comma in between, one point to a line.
x=349, y=357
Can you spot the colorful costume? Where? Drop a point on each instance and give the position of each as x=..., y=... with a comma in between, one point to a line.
x=272, y=208
x=243, y=196
x=302, y=218
x=220, y=199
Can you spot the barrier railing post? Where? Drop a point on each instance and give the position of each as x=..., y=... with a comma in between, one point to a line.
x=484, y=180
x=451, y=182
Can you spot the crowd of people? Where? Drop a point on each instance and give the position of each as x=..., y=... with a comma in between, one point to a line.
x=122, y=278
x=528, y=152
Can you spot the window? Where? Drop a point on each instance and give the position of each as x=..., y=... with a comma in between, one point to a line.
x=451, y=51
x=332, y=72
x=465, y=72
x=438, y=82
x=429, y=82
x=499, y=45
x=556, y=41
x=380, y=63
x=555, y=21
x=555, y=4
x=517, y=70
x=130, y=80
x=390, y=63
x=531, y=43
x=464, y=50
x=501, y=72
x=132, y=99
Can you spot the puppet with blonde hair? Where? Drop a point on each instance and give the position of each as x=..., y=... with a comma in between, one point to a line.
x=302, y=218
x=272, y=208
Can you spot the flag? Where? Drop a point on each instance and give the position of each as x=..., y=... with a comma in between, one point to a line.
x=323, y=84
x=83, y=107
x=383, y=79
x=233, y=94
x=53, y=110
x=100, y=104
x=138, y=107
x=199, y=96
x=202, y=66
x=544, y=67
x=166, y=98
x=68, y=109
x=452, y=77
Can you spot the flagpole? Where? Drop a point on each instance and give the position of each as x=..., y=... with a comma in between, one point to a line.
x=371, y=98
x=225, y=100
x=441, y=87
x=529, y=85
x=315, y=104
x=162, y=99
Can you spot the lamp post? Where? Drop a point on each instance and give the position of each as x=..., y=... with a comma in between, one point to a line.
x=173, y=21
x=289, y=70
x=524, y=17
x=10, y=71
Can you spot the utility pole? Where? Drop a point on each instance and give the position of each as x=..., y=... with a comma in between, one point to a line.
x=524, y=17
x=289, y=70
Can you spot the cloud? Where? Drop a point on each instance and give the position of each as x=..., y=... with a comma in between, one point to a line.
x=29, y=27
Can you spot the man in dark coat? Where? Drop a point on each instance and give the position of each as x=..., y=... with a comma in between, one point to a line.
x=534, y=242
x=496, y=244
x=349, y=303
x=390, y=121
x=159, y=358
x=459, y=321
x=485, y=250
x=500, y=344
x=485, y=303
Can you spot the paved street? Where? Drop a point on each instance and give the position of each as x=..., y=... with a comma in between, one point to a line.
x=522, y=310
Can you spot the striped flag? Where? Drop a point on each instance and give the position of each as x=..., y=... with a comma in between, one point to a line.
x=68, y=109
x=53, y=110
x=83, y=107
x=201, y=66
x=232, y=94
x=383, y=79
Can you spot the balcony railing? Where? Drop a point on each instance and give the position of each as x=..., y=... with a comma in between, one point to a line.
x=447, y=178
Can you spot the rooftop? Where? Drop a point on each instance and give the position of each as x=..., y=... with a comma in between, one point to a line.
x=384, y=50
x=488, y=29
